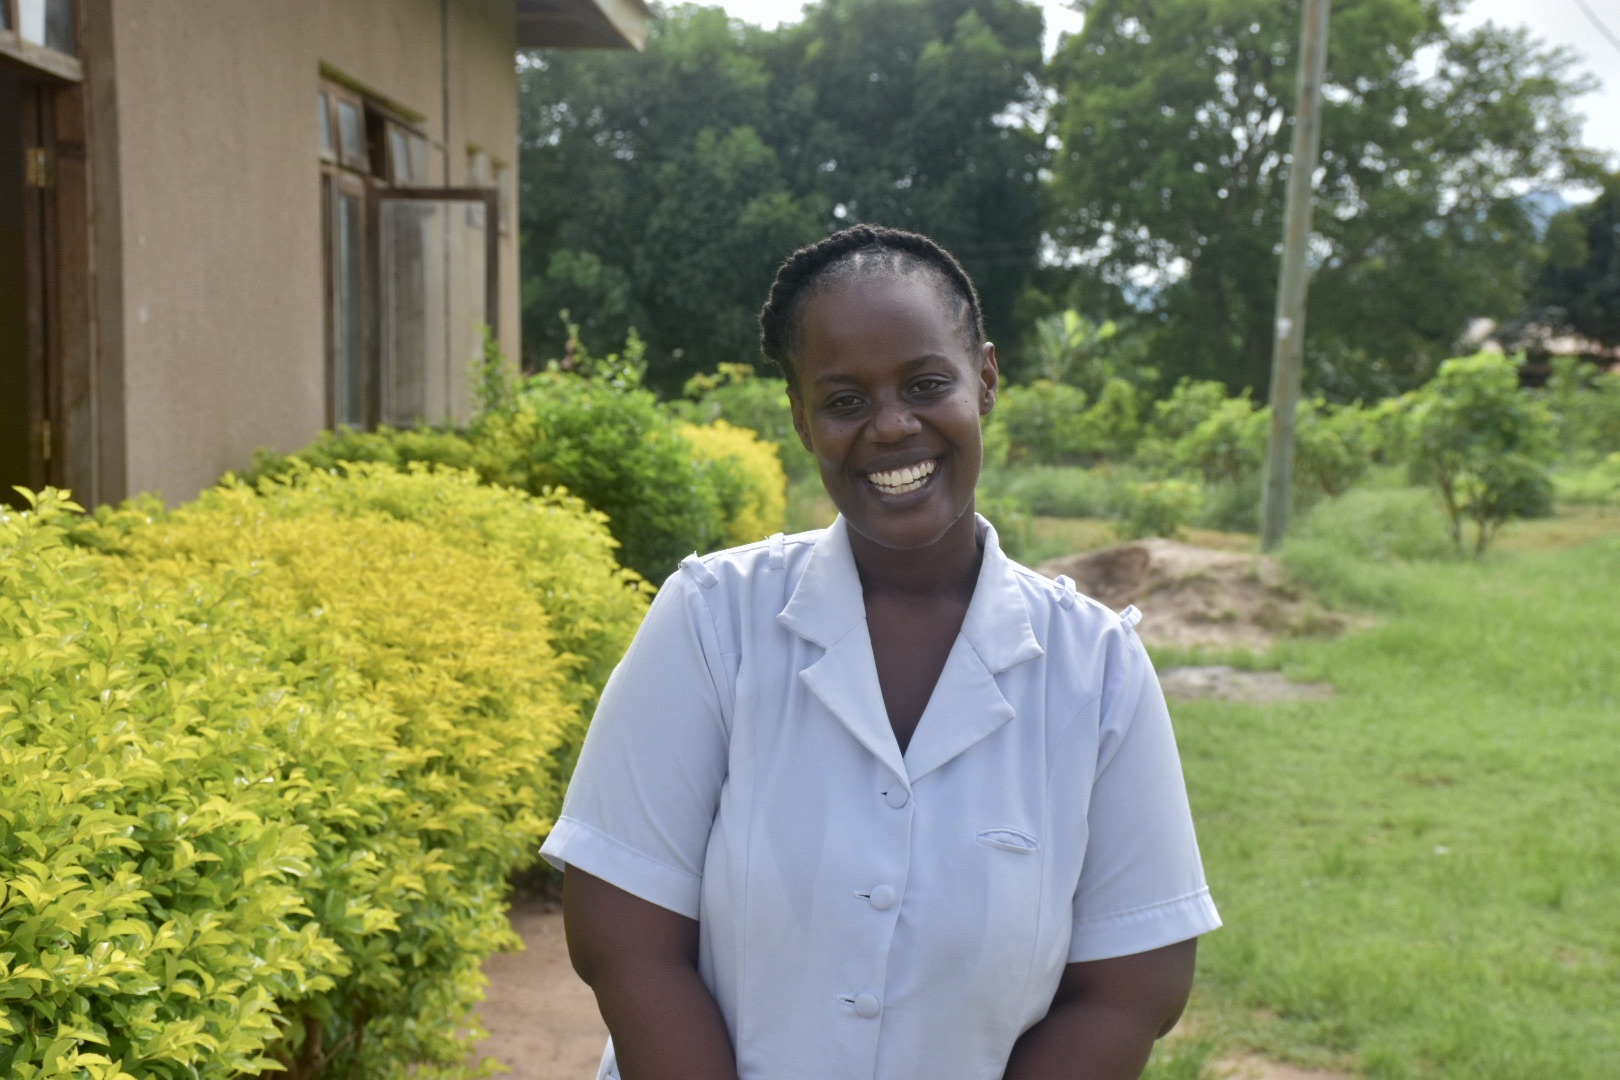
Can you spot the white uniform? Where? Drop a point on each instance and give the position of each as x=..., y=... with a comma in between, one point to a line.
x=866, y=914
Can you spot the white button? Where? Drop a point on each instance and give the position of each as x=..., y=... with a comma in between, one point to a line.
x=866, y=1006
x=882, y=898
x=897, y=796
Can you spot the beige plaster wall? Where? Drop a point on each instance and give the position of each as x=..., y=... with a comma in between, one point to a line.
x=220, y=216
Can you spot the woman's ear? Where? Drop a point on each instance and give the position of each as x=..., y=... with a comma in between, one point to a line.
x=796, y=405
x=989, y=376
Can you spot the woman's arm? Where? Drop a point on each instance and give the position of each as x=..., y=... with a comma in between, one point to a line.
x=1105, y=1016
x=641, y=961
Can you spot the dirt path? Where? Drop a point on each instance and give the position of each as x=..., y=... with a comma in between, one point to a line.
x=542, y=1021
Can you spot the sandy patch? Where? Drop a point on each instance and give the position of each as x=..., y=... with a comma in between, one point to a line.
x=1194, y=597
x=542, y=1021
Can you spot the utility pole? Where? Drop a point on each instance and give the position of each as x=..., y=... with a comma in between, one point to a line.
x=1287, y=356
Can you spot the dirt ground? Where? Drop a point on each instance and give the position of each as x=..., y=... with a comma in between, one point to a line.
x=1194, y=597
x=542, y=1021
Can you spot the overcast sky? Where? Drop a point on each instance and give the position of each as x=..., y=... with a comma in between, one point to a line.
x=1594, y=37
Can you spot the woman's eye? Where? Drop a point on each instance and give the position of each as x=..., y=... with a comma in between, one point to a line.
x=844, y=402
x=930, y=385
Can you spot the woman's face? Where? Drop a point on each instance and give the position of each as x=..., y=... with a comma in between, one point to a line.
x=888, y=398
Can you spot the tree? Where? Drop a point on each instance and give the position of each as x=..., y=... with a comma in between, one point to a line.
x=661, y=190
x=1169, y=185
x=1582, y=275
x=1485, y=444
x=651, y=199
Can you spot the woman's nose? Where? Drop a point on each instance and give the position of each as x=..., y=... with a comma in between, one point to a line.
x=894, y=421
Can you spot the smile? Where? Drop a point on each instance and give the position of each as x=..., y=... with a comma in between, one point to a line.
x=902, y=480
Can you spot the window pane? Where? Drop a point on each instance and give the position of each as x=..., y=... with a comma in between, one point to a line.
x=431, y=262
x=399, y=152
x=348, y=338
x=59, y=29
x=326, y=126
x=31, y=14
x=48, y=23
x=351, y=135
x=421, y=163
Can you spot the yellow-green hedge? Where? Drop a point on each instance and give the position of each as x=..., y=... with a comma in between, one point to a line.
x=746, y=474
x=267, y=760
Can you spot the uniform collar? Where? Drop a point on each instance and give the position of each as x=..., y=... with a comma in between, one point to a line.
x=827, y=608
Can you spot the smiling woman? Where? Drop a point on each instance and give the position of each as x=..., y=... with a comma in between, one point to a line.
x=876, y=801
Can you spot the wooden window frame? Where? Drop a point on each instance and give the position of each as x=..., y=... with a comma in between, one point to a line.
x=369, y=174
x=37, y=58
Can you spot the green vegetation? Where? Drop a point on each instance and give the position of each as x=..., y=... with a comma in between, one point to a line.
x=667, y=487
x=268, y=760
x=1149, y=156
x=1418, y=875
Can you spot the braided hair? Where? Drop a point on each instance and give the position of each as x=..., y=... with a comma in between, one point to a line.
x=860, y=251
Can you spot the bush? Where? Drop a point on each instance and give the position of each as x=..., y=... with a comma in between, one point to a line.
x=733, y=393
x=1484, y=443
x=1042, y=422
x=1593, y=485
x=614, y=446
x=1112, y=427
x=385, y=446
x=1228, y=444
x=1067, y=491
x=746, y=475
x=1586, y=405
x=1158, y=508
x=266, y=762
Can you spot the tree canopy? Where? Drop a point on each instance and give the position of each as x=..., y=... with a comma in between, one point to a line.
x=660, y=190
x=1582, y=275
x=1174, y=121
x=1139, y=177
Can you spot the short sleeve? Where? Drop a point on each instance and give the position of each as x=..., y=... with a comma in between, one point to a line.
x=644, y=795
x=1142, y=883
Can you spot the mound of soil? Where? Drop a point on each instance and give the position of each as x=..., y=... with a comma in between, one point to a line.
x=1193, y=597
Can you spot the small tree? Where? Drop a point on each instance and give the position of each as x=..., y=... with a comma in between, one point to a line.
x=1484, y=443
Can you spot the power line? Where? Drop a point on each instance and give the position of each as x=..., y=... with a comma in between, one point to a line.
x=1597, y=22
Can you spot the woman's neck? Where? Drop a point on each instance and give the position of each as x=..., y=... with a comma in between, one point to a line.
x=945, y=569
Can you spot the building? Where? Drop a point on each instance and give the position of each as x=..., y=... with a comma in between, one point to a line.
x=226, y=225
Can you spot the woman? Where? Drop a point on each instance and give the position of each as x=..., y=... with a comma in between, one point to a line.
x=875, y=802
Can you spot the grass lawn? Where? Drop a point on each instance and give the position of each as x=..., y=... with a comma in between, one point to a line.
x=1420, y=877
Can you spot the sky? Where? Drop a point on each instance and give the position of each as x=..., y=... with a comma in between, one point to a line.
x=1594, y=38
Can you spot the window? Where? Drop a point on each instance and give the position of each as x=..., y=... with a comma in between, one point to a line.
x=48, y=24
x=42, y=34
x=410, y=270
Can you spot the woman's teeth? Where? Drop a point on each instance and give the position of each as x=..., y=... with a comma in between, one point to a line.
x=900, y=481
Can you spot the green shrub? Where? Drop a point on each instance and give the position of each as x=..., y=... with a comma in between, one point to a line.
x=1158, y=508
x=1228, y=444
x=1586, y=405
x=1333, y=446
x=1014, y=527
x=1484, y=443
x=609, y=442
x=266, y=762
x=1591, y=485
x=1042, y=422
x=385, y=446
x=1112, y=426
x=1067, y=491
x=746, y=475
x=733, y=393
